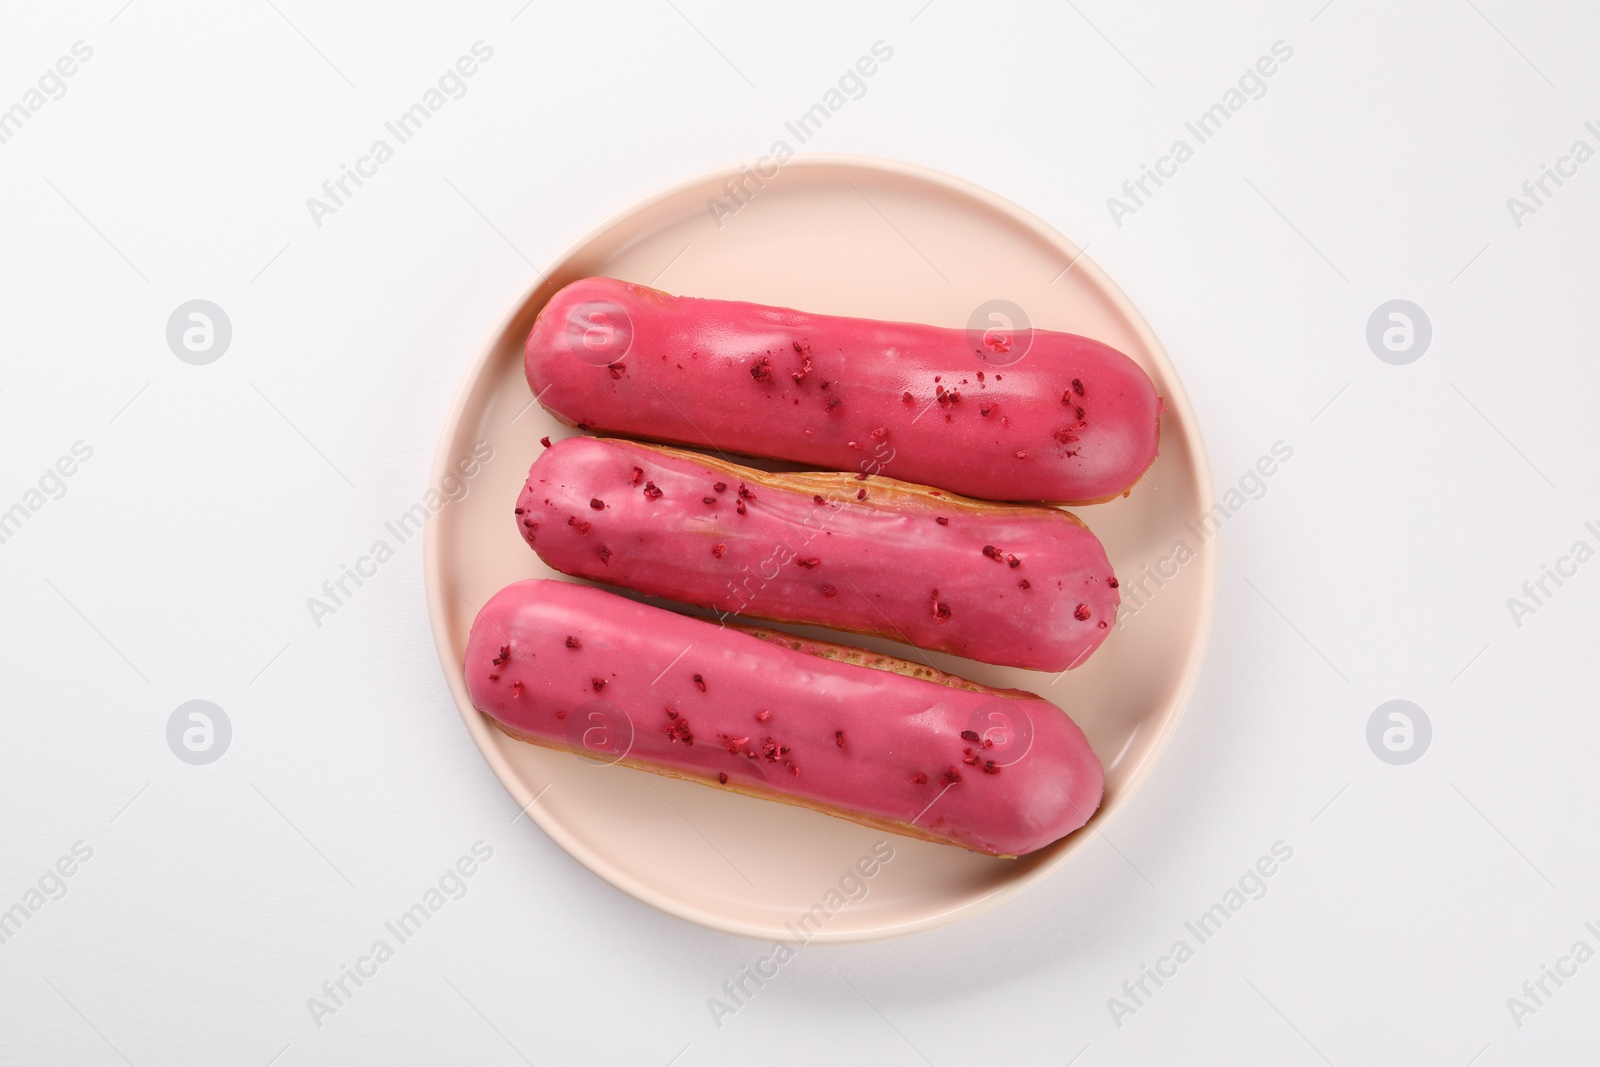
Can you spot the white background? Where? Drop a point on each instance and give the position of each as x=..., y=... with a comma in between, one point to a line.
x=177, y=565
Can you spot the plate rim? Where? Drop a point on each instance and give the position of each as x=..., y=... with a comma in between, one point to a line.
x=483, y=733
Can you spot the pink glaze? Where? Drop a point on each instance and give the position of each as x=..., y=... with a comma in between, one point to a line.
x=1023, y=586
x=1070, y=420
x=575, y=666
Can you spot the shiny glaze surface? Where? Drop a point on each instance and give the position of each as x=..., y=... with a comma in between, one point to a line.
x=1024, y=586
x=1025, y=415
x=996, y=771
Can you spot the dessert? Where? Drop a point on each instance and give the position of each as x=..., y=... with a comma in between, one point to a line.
x=861, y=736
x=1025, y=415
x=1020, y=585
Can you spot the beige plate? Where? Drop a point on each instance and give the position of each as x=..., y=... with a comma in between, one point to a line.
x=849, y=236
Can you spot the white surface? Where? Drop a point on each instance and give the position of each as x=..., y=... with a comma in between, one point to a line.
x=1376, y=566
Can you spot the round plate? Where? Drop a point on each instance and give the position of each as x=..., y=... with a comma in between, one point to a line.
x=846, y=236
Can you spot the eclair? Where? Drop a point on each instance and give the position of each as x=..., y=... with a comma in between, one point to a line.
x=1020, y=585
x=877, y=740
x=1020, y=415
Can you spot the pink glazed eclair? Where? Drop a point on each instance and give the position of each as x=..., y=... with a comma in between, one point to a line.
x=1019, y=585
x=1030, y=415
x=853, y=734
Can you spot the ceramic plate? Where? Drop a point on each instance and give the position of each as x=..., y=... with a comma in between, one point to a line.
x=845, y=236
